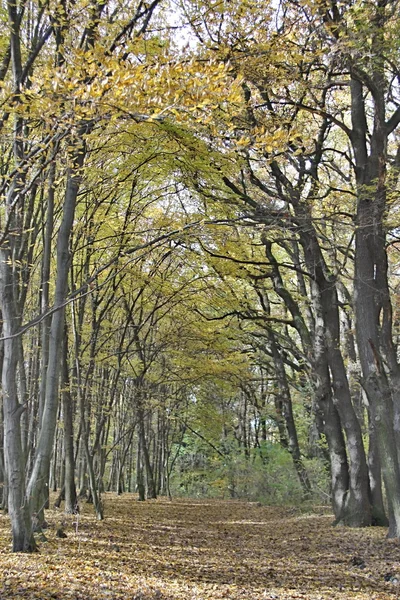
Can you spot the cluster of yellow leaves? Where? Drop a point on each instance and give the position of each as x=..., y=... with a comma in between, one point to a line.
x=96, y=84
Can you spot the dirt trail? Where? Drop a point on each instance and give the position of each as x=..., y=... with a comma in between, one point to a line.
x=192, y=550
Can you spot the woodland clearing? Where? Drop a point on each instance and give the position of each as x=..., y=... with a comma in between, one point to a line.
x=199, y=549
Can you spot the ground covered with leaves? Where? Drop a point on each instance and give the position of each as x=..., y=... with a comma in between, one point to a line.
x=196, y=550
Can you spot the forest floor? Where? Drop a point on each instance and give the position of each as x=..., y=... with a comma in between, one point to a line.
x=199, y=550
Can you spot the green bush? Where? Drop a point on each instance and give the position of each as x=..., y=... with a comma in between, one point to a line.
x=267, y=475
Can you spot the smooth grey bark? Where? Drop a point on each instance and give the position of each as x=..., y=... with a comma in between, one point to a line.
x=325, y=300
x=284, y=400
x=33, y=406
x=355, y=506
x=23, y=393
x=294, y=192
x=371, y=90
x=328, y=413
x=40, y=472
x=325, y=307
x=82, y=394
x=372, y=302
x=122, y=462
x=151, y=488
x=3, y=477
x=70, y=495
x=23, y=540
x=45, y=276
x=375, y=477
x=338, y=463
x=139, y=472
x=94, y=489
x=287, y=411
x=375, y=379
x=14, y=458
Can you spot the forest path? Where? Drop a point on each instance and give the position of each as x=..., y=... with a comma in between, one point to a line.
x=200, y=550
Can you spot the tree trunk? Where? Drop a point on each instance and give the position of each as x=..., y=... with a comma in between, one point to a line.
x=284, y=392
x=151, y=490
x=71, y=500
x=324, y=295
x=375, y=477
x=40, y=471
x=372, y=303
x=139, y=472
x=23, y=540
x=334, y=438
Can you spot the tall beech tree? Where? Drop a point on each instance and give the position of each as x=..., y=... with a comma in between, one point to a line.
x=375, y=116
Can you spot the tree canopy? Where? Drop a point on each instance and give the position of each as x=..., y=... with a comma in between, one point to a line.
x=198, y=253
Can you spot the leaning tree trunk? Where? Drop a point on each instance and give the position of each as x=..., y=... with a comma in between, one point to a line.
x=287, y=411
x=314, y=347
x=326, y=343
x=324, y=297
x=329, y=416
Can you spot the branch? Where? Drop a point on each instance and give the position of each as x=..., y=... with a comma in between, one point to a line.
x=35, y=52
x=199, y=435
x=246, y=316
x=239, y=192
x=235, y=260
x=393, y=122
x=142, y=11
x=323, y=113
x=83, y=290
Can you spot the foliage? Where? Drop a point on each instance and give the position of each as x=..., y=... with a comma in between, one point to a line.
x=195, y=238
x=267, y=475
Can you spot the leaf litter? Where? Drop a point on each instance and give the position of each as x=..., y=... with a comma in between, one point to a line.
x=200, y=550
